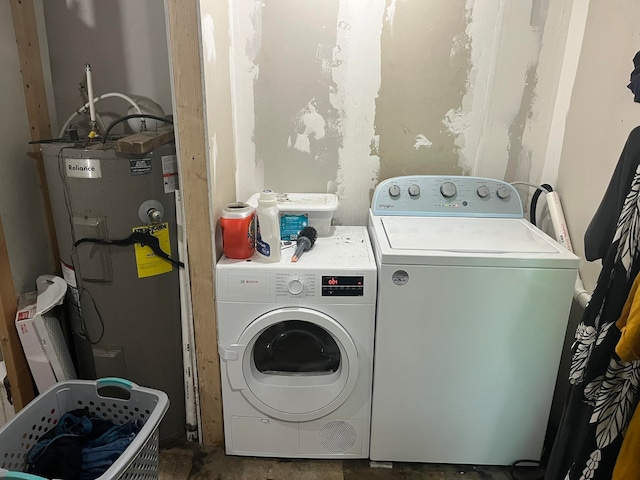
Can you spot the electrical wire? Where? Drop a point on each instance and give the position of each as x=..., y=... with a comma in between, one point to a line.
x=540, y=189
x=84, y=108
x=534, y=201
x=76, y=265
x=127, y=117
x=516, y=464
x=532, y=185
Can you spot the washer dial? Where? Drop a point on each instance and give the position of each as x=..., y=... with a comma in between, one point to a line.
x=483, y=191
x=503, y=193
x=448, y=189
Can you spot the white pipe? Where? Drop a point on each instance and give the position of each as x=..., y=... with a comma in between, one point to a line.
x=92, y=107
x=186, y=316
x=84, y=108
x=580, y=294
x=558, y=220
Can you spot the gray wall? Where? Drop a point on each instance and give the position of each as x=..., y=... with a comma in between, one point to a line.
x=600, y=117
x=125, y=42
x=20, y=200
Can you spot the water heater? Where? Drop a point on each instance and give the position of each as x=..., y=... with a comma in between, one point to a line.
x=126, y=320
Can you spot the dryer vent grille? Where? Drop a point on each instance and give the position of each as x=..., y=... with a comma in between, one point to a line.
x=337, y=436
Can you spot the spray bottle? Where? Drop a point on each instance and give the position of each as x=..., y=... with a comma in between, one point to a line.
x=268, y=227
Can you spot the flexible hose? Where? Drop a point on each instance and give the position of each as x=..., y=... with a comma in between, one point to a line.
x=84, y=108
x=534, y=201
x=127, y=117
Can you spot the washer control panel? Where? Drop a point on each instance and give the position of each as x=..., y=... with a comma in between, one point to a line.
x=450, y=196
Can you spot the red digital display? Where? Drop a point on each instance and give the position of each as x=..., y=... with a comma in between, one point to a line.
x=342, y=286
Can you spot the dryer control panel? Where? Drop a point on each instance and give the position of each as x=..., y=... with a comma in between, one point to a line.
x=305, y=285
x=446, y=196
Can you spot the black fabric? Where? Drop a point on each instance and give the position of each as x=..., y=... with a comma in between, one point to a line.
x=63, y=459
x=599, y=234
x=579, y=451
x=634, y=85
x=60, y=452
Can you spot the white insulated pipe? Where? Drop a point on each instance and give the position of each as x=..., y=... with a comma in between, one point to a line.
x=92, y=107
x=192, y=398
x=85, y=107
x=580, y=294
x=558, y=220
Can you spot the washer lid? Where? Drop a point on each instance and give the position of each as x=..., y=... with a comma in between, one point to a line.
x=474, y=242
x=465, y=235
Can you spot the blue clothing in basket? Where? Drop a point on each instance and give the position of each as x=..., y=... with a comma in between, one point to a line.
x=82, y=446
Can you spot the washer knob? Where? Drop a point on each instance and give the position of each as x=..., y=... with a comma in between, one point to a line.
x=483, y=191
x=394, y=191
x=295, y=286
x=414, y=191
x=503, y=193
x=448, y=189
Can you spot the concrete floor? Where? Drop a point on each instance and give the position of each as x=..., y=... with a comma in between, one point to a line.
x=215, y=465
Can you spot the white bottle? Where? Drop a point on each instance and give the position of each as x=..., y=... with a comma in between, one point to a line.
x=268, y=227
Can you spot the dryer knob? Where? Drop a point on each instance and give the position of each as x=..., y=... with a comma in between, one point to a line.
x=414, y=191
x=295, y=286
x=394, y=191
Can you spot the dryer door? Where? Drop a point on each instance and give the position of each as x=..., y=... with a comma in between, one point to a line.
x=293, y=364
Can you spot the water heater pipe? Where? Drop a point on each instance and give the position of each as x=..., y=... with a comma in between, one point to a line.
x=85, y=107
x=92, y=106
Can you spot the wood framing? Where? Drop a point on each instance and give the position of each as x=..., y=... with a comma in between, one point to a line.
x=16, y=363
x=144, y=142
x=26, y=29
x=26, y=32
x=184, y=46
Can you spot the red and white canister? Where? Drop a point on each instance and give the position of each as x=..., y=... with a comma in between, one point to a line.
x=238, y=232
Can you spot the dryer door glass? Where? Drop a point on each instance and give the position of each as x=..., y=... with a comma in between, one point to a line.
x=296, y=346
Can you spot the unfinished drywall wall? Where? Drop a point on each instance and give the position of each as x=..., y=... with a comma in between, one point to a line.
x=336, y=95
x=20, y=198
x=125, y=43
x=216, y=68
x=601, y=115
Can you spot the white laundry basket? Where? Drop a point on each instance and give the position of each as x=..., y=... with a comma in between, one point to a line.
x=138, y=462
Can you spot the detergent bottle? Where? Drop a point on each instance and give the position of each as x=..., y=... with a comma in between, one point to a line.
x=268, y=227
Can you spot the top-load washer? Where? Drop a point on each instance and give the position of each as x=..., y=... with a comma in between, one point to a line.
x=296, y=350
x=472, y=310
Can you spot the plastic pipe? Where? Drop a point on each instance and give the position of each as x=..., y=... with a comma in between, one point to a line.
x=580, y=294
x=558, y=220
x=192, y=400
x=92, y=106
x=84, y=108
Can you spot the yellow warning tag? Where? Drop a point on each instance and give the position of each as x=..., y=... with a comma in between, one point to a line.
x=148, y=263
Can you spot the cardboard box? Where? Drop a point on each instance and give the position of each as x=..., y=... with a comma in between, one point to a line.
x=40, y=333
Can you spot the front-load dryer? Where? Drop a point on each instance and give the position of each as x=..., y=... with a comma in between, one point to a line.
x=296, y=350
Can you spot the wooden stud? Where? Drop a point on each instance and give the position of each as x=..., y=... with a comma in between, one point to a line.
x=144, y=142
x=26, y=33
x=26, y=30
x=17, y=367
x=184, y=45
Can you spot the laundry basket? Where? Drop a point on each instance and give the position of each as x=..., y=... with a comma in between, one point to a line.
x=138, y=462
